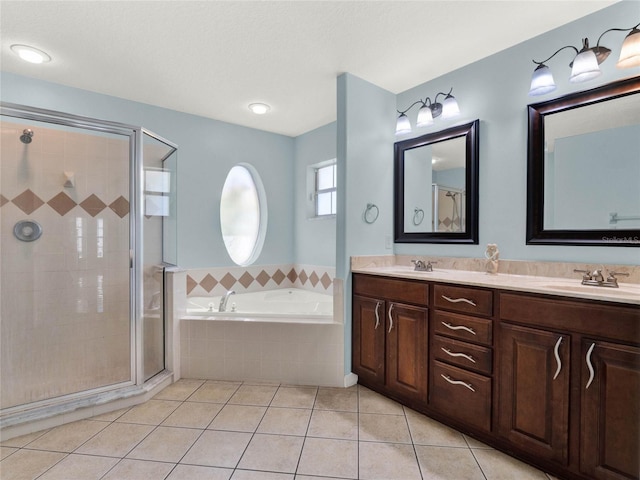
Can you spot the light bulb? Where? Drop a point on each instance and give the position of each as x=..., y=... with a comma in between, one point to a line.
x=630, y=51
x=259, y=108
x=403, y=125
x=425, y=118
x=30, y=54
x=585, y=67
x=542, y=81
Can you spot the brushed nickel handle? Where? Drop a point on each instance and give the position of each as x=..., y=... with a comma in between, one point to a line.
x=457, y=382
x=458, y=327
x=458, y=300
x=377, y=316
x=590, y=366
x=390, y=318
x=558, y=361
x=457, y=354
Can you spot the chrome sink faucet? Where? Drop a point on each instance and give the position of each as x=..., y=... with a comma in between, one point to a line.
x=596, y=277
x=421, y=267
x=223, y=301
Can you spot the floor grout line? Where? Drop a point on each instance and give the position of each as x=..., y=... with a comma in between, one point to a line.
x=293, y=402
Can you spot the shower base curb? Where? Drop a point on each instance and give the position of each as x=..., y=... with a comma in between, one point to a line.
x=41, y=418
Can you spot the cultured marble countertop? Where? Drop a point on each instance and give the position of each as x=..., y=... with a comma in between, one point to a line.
x=628, y=293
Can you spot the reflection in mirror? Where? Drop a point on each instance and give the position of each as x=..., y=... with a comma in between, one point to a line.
x=434, y=175
x=584, y=168
x=441, y=165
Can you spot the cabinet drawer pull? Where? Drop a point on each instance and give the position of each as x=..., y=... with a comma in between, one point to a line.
x=390, y=318
x=590, y=366
x=454, y=354
x=558, y=361
x=458, y=327
x=377, y=316
x=458, y=300
x=457, y=382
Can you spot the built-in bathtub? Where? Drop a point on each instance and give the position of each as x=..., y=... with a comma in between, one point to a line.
x=287, y=305
x=285, y=335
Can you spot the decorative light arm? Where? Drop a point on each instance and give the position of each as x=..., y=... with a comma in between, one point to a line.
x=555, y=53
x=635, y=27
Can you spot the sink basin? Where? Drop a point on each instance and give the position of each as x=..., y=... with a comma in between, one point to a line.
x=411, y=270
x=623, y=289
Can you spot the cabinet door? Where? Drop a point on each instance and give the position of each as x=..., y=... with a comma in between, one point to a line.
x=610, y=419
x=534, y=390
x=407, y=351
x=368, y=339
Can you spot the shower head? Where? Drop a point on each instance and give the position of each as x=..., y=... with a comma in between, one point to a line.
x=451, y=194
x=27, y=136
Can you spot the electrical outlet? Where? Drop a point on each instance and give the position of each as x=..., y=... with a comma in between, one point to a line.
x=387, y=242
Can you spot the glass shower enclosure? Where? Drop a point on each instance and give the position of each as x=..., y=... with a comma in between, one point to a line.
x=87, y=228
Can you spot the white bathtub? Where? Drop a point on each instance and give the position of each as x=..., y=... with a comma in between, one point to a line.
x=289, y=305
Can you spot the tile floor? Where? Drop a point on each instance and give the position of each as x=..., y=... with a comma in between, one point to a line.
x=199, y=430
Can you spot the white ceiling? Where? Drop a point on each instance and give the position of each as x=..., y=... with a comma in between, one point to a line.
x=213, y=58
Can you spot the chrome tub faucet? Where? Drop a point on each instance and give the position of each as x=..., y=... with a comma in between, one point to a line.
x=223, y=301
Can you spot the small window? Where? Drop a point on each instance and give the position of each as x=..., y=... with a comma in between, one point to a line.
x=243, y=214
x=325, y=190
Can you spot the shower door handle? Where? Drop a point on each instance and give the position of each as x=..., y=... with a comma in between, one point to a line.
x=130, y=258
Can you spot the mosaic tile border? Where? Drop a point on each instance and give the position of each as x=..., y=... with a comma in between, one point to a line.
x=212, y=282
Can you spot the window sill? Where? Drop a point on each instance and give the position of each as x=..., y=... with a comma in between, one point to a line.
x=322, y=217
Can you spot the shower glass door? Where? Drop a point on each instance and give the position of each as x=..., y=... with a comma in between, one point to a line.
x=158, y=221
x=65, y=282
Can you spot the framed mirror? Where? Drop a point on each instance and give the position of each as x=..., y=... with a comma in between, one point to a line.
x=583, y=168
x=436, y=187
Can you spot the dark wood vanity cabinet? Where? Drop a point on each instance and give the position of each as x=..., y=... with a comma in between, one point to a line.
x=534, y=390
x=569, y=383
x=461, y=341
x=610, y=410
x=390, y=336
x=554, y=381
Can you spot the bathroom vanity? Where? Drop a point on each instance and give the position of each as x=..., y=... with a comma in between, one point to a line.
x=540, y=368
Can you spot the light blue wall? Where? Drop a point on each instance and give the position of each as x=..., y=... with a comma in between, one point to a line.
x=207, y=151
x=365, y=129
x=495, y=90
x=315, y=238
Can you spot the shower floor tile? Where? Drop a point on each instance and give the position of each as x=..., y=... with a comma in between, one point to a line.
x=205, y=430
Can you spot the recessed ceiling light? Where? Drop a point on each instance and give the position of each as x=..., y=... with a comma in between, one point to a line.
x=30, y=54
x=259, y=108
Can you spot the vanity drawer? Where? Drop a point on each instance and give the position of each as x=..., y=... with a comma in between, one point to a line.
x=464, y=327
x=461, y=395
x=463, y=354
x=463, y=299
x=409, y=291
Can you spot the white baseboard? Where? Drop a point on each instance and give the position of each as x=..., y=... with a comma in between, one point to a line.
x=350, y=379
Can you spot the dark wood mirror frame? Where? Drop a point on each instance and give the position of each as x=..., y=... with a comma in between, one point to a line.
x=470, y=235
x=536, y=234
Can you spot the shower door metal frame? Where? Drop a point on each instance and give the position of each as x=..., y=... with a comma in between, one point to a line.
x=134, y=134
x=138, y=254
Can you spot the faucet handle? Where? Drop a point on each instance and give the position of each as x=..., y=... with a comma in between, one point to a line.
x=586, y=274
x=612, y=275
x=429, y=266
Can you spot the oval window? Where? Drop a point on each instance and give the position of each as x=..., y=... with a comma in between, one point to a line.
x=243, y=214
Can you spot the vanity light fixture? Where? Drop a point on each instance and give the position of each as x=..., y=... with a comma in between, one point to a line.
x=586, y=64
x=428, y=111
x=259, y=108
x=30, y=54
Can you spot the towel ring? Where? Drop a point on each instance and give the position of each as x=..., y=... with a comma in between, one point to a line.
x=371, y=213
x=418, y=216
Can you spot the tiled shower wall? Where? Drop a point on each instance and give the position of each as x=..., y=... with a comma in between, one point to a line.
x=205, y=282
x=65, y=297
